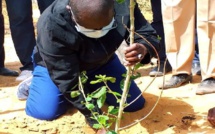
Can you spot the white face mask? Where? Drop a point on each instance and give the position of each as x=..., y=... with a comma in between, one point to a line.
x=95, y=33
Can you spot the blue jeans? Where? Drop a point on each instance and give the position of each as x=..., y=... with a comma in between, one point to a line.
x=46, y=102
x=22, y=29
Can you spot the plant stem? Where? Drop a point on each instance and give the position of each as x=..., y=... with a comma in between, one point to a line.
x=82, y=91
x=129, y=70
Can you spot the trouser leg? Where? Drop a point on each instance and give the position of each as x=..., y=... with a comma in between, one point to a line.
x=157, y=24
x=45, y=101
x=206, y=37
x=43, y=4
x=2, y=53
x=22, y=30
x=179, y=20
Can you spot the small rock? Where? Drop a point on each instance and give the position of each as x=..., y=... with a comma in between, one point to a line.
x=4, y=126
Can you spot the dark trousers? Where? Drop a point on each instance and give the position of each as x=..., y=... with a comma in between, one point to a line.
x=22, y=29
x=157, y=24
x=2, y=53
x=43, y=4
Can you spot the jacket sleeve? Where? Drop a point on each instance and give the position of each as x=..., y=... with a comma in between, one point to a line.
x=59, y=50
x=149, y=36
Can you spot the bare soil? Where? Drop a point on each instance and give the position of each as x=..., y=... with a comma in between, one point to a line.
x=179, y=110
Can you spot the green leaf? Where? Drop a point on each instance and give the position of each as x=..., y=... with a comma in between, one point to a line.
x=111, y=132
x=113, y=110
x=97, y=126
x=101, y=100
x=118, y=100
x=88, y=98
x=74, y=94
x=124, y=75
x=111, y=79
x=102, y=119
x=116, y=94
x=84, y=77
x=110, y=108
x=137, y=66
x=100, y=76
x=83, y=80
x=96, y=81
x=122, y=83
x=99, y=92
x=108, y=125
x=137, y=75
x=90, y=106
x=159, y=38
x=120, y=1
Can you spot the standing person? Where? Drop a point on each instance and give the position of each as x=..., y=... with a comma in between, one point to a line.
x=179, y=27
x=84, y=37
x=157, y=24
x=3, y=71
x=22, y=31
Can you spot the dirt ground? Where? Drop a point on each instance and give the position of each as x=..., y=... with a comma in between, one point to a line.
x=179, y=110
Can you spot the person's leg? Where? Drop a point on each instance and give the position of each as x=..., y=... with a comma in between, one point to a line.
x=115, y=69
x=2, y=53
x=178, y=20
x=22, y=30
x=3, y=71
x=43, y=4
x=44, y=101
x=196, y=56
x=196, y=70
x=206, y=40
x=157, y=24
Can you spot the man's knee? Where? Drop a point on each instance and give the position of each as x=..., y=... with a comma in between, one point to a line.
x=45, y=109
x=44, y=113
x=136, y=105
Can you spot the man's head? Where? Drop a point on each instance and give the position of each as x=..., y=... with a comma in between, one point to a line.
x=92, y=14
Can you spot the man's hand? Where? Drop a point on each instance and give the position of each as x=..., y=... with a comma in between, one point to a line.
x=211, y=116
x=134, y=54
x=101, y=131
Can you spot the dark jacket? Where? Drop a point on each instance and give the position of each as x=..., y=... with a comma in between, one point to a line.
x=66, y=53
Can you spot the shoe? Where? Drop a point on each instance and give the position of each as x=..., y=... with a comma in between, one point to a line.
x=206, y=87
x=23, y=88
x=24, y=75
x=7, y=72
x=160, y=72
x=196, y=69
x=176, y=81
